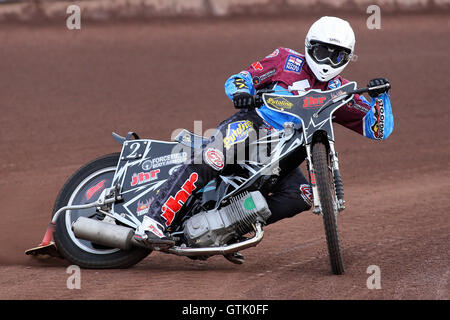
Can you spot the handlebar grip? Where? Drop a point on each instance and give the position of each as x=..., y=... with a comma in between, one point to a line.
x=367, y=89
x=258, y=99
x=386, y=85
x=360, y=90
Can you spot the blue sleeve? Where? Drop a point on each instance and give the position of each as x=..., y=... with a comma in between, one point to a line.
x=241, y=82
x=379, y=121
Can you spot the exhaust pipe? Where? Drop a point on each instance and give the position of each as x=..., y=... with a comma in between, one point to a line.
x=104, y=233
x=210, y=251
x=114, y=236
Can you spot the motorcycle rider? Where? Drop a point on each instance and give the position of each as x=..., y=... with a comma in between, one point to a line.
x=329, y=46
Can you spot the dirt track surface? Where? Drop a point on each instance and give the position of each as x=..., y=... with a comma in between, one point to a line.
x=64, y=92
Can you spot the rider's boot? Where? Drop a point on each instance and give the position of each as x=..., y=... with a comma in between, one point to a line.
x=152, y=235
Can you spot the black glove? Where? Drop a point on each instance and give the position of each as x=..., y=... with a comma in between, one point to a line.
x=378, y=82
x=243, y=100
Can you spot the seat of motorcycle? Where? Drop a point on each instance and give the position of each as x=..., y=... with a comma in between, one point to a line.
x=190, y=139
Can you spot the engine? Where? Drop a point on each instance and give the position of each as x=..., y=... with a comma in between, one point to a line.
x=217, y=227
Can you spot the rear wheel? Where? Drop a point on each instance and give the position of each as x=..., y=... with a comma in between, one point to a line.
x=84, y=187
x=328, y=202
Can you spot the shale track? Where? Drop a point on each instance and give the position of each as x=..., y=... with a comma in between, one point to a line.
x=63, y=93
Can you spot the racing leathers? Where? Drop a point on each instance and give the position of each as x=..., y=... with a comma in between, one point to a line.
x=285, y=71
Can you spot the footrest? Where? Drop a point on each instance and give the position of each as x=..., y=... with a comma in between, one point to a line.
x=49, y=249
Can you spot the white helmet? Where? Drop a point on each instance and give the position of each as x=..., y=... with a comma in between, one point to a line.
x=329, y=47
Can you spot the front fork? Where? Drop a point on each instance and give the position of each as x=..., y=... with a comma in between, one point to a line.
x=337, y=180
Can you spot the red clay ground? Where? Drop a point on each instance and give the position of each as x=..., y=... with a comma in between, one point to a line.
x=64, y=92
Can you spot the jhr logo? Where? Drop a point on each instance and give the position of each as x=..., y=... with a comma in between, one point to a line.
x=144, y=177
x=311, y=102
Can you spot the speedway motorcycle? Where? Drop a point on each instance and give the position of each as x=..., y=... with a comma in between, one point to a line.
x=99, y=208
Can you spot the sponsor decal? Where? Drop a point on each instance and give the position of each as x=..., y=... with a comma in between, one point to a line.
x=147, y=165
x=268, y=127
x=311, y=102
x=144, y=177
x=378, y=126
x=312, y=176
x=214, y=157
x=293, y=63
x=143, y=206
x=239, y=83
x=249, y=204
x=306, y=193
x=237, y=132
x=273, y=54
x=170, y=159
x=174, y=169
x=334, y=83
x=279, y=103
x=174, y=204
x=245, y=73
x=353, y=104
x=258, y=79
x=337, y=94
x=334, y=40
x=155, y=230
x=93, y=190
x=257, y=66
x=293, y=51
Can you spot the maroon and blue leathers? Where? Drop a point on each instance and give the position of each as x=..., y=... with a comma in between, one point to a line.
x=285, y=71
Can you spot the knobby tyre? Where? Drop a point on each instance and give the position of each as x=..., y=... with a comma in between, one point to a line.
x=324, y=180
x=85, y=186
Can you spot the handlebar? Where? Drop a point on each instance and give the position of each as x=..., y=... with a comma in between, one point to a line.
x=258, y=96
x=386, y=86
x=259, y=100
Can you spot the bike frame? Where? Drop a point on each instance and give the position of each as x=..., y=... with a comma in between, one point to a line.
x=314, y=109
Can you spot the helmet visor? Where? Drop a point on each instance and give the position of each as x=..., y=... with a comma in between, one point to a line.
x=324, y=53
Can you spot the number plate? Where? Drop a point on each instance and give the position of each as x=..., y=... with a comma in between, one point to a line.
x=133, y=150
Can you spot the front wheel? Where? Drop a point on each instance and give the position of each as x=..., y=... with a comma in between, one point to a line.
x=84, y=187
x=328, y=202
